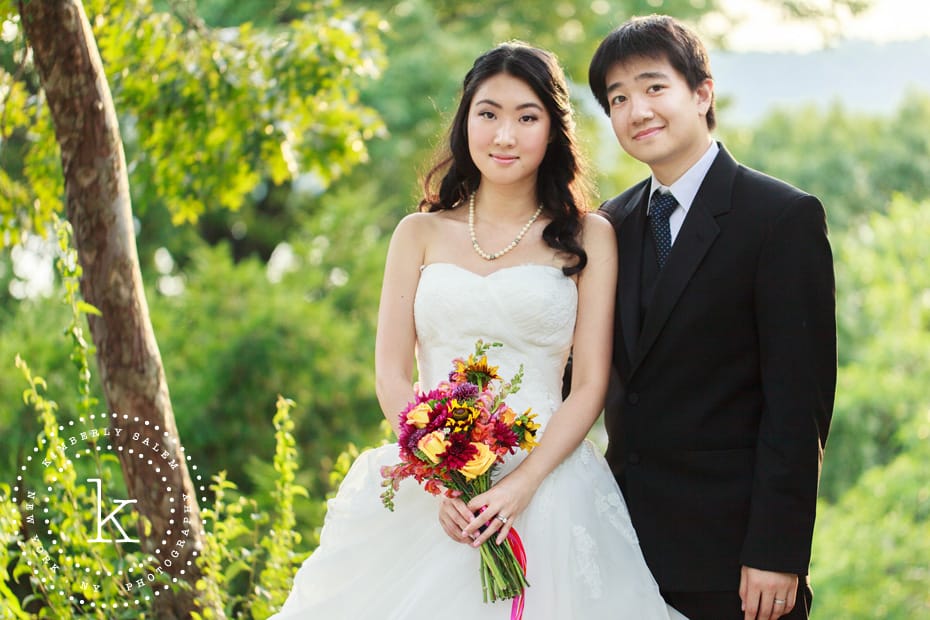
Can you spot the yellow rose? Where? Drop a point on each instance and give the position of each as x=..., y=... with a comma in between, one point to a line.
x=419, y=415
x=433, y=445
x=480, y=463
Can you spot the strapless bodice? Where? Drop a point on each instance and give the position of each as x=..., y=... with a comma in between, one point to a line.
x=530, y=309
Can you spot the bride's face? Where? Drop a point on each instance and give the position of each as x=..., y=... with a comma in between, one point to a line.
x=508, y=130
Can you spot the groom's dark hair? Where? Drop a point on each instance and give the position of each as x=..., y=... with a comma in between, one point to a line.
x=654, y=36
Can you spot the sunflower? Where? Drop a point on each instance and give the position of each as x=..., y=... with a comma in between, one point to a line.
x=527, y=425
x=462, y=415
x=474, y=370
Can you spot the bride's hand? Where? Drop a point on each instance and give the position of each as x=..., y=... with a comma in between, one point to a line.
x=454, y=517
x=498, y=508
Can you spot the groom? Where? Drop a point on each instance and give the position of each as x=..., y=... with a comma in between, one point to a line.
x=725, y=342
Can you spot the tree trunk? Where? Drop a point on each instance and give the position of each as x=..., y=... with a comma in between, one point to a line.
x=98, y=207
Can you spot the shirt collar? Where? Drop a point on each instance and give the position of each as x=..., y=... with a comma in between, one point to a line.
x=686, y=187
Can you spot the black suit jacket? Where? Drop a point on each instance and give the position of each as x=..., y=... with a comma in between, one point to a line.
x=722, y=395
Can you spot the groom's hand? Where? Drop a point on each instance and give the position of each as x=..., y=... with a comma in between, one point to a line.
x=454, y=517
x=766, y=595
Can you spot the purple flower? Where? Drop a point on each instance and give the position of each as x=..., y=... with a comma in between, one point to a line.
x=464, y=391
x=413, y=439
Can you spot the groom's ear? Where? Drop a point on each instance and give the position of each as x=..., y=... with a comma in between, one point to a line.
x=705, y=95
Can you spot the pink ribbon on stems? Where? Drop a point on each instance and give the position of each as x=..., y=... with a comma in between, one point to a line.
x=516, y=610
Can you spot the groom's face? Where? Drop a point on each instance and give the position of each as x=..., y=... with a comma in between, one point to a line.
x=657, y=117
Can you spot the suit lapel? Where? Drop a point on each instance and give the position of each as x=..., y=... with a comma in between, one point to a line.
x=630, y=242
x=695, y=238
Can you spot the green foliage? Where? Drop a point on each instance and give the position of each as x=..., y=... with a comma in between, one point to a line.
x=572, y=29
x=10, y=524
x=871, y=547
x=282, y=541
x=27, y=331
x=226, y=13
x=250, y=553
x=206, y=113
x=70, y=271
x=249, y=559
x=47, y=550
x=58, y=551
x=873, y=530
x=883, y=290
x=227, y=545
x=251, y=556
x=853, y=162
x=31, y=182
x=233, y=337
x=33, y=319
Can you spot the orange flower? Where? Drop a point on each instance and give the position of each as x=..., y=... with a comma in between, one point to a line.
x=508, y=416
x=480, y=431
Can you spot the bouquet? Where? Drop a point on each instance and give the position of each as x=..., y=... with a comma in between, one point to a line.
x=451, y=439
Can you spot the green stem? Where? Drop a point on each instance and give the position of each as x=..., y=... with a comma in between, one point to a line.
x=501, y=575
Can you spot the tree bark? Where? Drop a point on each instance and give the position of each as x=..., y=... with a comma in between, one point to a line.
x=99, y=210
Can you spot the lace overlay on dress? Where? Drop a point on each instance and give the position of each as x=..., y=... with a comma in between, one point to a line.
x=611, y=507
x=586, y=560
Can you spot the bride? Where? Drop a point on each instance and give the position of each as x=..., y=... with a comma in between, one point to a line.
x=503, y=250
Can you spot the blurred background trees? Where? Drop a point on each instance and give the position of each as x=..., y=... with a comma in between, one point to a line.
x=273, y=145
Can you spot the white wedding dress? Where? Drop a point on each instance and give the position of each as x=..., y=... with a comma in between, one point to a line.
x=583, y=557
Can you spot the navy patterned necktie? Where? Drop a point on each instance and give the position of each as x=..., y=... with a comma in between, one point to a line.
x=660, y=208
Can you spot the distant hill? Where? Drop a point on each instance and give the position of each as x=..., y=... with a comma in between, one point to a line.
x=864, y=76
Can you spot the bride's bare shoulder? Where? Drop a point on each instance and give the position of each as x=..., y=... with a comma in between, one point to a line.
x=595, y=229
x=595, y=220
x=426, y=222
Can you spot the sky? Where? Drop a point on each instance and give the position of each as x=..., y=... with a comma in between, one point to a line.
x=765, y=29
x=771, y=61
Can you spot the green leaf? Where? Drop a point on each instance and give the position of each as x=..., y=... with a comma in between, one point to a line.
x=86, y=308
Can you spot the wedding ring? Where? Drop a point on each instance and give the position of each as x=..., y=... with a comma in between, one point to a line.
x=502, y=519
x=779, y=601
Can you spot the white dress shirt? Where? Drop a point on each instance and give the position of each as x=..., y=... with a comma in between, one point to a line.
x=686, y=188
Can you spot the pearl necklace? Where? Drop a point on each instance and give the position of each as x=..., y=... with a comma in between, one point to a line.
x=474, y=238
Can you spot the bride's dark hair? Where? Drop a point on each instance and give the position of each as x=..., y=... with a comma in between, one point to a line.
x=560, y=186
